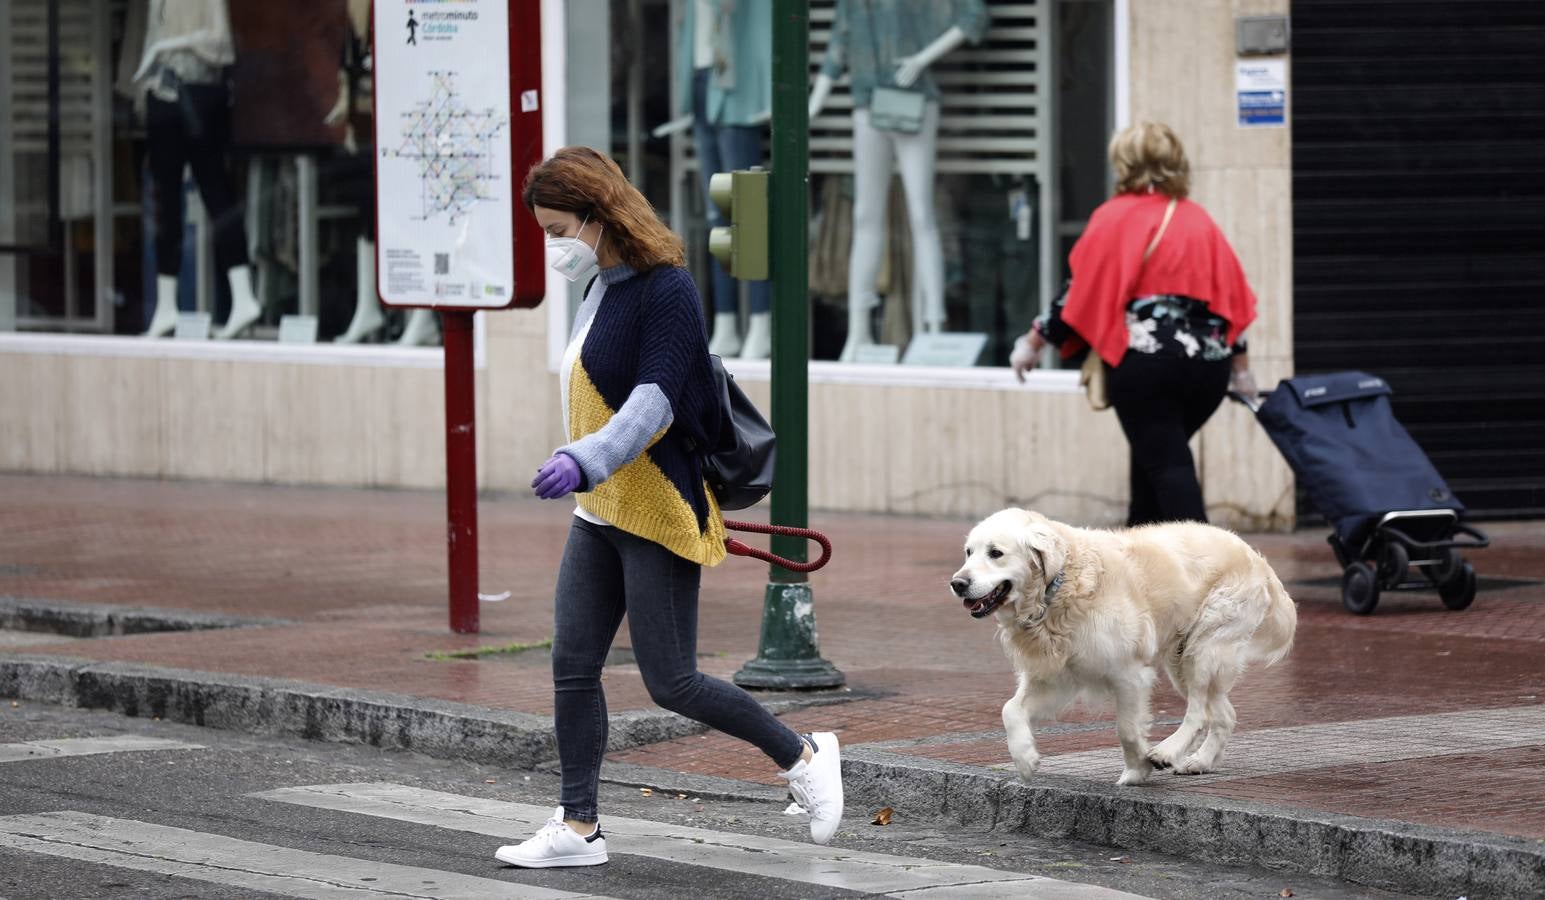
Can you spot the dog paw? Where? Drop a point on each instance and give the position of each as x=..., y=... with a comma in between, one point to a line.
x=1135, y=775
x=1027, y=766
x=1192, y=766
x=1159, y=759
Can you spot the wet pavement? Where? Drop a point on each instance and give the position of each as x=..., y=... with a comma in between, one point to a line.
x=1414, y=714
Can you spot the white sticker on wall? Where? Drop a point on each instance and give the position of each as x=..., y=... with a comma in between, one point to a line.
x=1260, y=90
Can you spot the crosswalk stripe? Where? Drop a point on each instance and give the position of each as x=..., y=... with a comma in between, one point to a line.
x=122, y=743
x=213, y=858
x=898, y=876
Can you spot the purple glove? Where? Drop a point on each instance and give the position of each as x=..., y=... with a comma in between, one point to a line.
x=558, y=476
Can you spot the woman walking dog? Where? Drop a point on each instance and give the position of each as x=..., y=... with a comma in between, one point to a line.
x=637, y=392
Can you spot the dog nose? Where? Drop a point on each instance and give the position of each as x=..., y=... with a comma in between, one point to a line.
x=959, y=586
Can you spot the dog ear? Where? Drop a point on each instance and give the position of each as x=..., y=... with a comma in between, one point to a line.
x=1042, y=544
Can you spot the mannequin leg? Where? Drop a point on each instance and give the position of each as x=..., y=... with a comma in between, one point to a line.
x=165, y=319
x=166, y=154
x=740, y=147
x=725, y=340
x=421, y=329
x=206, y=113
x=726, y=334
x=245, y=308
x=367, y=307
x=758, y=343
x=918, y=159
x=873, y=158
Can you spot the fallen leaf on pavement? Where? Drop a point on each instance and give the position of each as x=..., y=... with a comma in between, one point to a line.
x=1121, y=859
x=490, y=781
x=1286, y=892
x=681, y=796
x=646, y=792
x=883, y=817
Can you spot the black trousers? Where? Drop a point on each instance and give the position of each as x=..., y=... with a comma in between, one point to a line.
x=193, y=130
x=1162, y=400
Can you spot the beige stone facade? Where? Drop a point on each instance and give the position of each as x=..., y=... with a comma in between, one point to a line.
x=916, y=446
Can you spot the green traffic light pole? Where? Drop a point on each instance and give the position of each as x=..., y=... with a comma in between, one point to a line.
x=788, y=657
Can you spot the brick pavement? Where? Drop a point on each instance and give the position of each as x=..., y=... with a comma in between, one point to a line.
x=361, y=577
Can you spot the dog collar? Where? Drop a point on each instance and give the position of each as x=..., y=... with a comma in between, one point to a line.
x=1051, y=588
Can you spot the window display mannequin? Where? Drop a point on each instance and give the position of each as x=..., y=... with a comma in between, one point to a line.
x=892, y=43
x=357, y=174
x=724, y=77
x=187, y=118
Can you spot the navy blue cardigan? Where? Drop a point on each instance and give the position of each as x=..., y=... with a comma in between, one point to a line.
x=648, y=330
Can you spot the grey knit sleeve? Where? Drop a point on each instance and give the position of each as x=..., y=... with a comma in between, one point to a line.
x=643, y=415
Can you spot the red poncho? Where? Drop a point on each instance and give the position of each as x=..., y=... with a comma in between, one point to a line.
x=1193, y=260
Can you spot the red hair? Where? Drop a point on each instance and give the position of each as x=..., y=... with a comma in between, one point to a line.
x=591, y=185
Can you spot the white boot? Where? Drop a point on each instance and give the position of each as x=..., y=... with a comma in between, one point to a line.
x=245, y=308
x=164, y=321
x=858, y=331
x=421, y=329
x=367, y=308
x=726, y=335
x=758, y=337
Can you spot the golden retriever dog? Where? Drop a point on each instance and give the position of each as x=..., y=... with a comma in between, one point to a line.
x=1098, y=612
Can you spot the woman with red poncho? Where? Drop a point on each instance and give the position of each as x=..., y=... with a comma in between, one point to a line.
x=1159, y=295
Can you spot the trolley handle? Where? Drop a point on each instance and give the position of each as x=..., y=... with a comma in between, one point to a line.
x=1253, y=405
x=1480, y=540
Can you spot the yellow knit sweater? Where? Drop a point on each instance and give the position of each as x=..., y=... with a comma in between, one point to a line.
x=638, y=497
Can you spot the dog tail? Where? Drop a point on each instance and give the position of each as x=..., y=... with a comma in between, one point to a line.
x=1274, y=638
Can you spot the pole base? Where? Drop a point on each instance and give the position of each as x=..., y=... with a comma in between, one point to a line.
x=788, y=658
x=801, y=675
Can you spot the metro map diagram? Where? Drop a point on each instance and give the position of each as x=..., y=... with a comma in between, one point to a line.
x=453, y=147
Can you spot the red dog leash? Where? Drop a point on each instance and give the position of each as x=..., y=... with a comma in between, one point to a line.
x=737, y=548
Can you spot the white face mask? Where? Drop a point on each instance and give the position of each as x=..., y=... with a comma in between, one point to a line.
x=575, y=257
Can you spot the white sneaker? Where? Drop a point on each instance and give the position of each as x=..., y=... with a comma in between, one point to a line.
x=817, y=785
x=555, y=845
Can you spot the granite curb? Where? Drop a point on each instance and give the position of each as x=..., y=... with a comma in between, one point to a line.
x=1392, y=855
x=268, y=706
x=1378, y=853
x=93, y=620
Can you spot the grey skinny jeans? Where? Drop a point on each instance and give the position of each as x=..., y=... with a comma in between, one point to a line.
x=605, y=572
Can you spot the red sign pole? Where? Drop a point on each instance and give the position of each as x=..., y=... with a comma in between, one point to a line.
x=461, y=470
x=407, y=67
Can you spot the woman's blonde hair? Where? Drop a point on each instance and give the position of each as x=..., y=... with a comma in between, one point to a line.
x=591, y=185
x=1149, y=155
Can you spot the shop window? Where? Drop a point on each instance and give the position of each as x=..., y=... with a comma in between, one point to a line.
x=177, y=194
x=1021, y=124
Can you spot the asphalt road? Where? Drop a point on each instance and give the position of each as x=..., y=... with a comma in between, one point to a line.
x=157, y=810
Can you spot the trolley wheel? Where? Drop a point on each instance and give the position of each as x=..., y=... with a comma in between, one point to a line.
x=1393, y=562
x=1458, y=591
x=1359, y=588
x=1446, y=568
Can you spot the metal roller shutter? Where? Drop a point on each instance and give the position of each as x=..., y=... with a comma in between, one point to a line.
x=1419, y=225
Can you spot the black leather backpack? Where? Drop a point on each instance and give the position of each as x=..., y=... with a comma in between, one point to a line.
x=739, y=465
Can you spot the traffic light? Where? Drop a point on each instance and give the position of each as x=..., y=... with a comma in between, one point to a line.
x=741, y=246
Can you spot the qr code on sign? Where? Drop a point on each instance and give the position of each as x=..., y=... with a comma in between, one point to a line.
x=442, y=264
